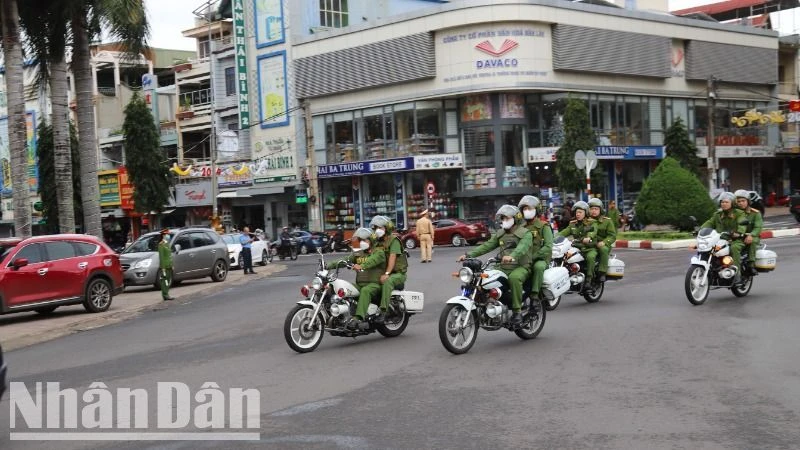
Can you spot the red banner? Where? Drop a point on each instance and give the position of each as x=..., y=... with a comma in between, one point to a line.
x=125, y=190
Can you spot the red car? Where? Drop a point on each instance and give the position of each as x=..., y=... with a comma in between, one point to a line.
x=44, y=272
x=449, y=231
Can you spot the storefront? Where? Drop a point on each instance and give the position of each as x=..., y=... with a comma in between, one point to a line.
x=627, y=168
x=748, y=167
x=193, y=201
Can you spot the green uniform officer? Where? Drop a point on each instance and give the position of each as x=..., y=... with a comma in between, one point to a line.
x=583, y=232
x=165, y=265
x=613, y=213
x=370, y=262
x=729, y=219
x=516, y=242
x=752, y=233
x=396, y=261
x=606, y=235
x=542, y=241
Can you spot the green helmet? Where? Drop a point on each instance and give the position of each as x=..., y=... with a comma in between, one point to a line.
x=596, y=202
x=581, y=205
x=530, y=201
x=364, y=234
x=507, y=211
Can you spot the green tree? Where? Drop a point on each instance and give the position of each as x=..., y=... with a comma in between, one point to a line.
x=17, y=142
x=48, y=184
x=670, y=195
x=681, y=148
x=578, y=135
x=147, y=165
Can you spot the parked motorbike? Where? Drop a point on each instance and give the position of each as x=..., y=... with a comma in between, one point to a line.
x=570, y=257
x=485, y=302
x=283, y=248
x=329, y=302
x=713, y=268
x=337, y=245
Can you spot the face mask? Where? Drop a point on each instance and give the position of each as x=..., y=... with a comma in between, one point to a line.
x=529, y=214
x=508, y=223
x=380, y=232
x=364, y=245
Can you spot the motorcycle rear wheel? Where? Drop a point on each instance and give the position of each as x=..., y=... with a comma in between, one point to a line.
x=394, y=325
x=450, y=336
x=696, y=294
x=743, y=289
x=297, y=332
x=530, y=328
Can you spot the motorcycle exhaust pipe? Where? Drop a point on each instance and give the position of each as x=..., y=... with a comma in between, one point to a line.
x=576, y=279
x=340, y=309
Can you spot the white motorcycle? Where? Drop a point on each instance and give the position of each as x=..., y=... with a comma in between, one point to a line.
x=713, y=268
x=329, y=302
x=484, y=302
x=570, y=257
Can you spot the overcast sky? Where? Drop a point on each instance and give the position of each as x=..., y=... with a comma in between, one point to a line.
x=170, y=17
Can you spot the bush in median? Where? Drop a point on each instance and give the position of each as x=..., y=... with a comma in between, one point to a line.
x=670, y=195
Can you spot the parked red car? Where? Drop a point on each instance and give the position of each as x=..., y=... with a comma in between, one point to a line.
x=44, y=272
x=449, y=231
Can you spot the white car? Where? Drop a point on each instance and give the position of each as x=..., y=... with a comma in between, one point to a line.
x=259, y=249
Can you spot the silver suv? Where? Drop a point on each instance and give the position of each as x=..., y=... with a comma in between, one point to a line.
x=196, y=253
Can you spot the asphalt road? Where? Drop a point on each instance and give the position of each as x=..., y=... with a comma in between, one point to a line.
x=640, y=369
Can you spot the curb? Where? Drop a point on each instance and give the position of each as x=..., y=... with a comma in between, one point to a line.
x=682, y=243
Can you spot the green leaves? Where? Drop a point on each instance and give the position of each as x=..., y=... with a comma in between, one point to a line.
x=670, y=195
x=148, y=170
x=680, y=147
x=578, y=135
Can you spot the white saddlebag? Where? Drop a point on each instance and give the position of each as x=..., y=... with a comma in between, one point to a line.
x=414, y=300
x=616, y=269
x=556, y=282
x=766, y=260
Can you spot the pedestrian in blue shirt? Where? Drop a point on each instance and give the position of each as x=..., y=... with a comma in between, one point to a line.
x=246, y=239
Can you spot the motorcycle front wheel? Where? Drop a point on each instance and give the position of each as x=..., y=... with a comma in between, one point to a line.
x=301, y=332
x=532, y=325
x=457, y=340
x=742, y=289
x=695, y=293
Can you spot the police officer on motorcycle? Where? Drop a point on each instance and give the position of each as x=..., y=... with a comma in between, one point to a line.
x=606, y=235
x=729, y=219
x=516, y=242
x=583, y=231
x=752, y=235
x=396, y=261
x=542, y=236
x=370, y=262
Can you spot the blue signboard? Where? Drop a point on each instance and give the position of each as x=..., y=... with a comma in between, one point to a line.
x=398, y=199
x=365, y=167
x=629, y=152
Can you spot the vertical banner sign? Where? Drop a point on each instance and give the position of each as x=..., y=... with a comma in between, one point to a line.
x=273, y=91
x=356, y=201
x=269, y=22
x=30, y=153
x=33, y=159
x=241, y=64
x=5, y=158
x=400, y=219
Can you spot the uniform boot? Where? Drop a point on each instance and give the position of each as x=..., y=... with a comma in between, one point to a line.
x=516, y=318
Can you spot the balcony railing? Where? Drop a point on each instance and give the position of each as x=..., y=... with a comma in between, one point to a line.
x=195, y=98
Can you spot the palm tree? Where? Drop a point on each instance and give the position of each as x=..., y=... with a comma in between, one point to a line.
x=12, y=49
x=45, y=26
x=126, y=21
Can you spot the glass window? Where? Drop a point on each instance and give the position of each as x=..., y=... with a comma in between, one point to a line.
x=512, y=106
x=59, y=250
x=429, y=128
x=373, y=133
x=442, y=203
x=145, y=244
x=199, y=239
x=184, y=241
x=31, y=252
x=320, y=138
x=339, y=207
x=381, y=198
x=84, y=248
x=479, y=150
x=515, y=169
x=553, y=108
x=5, y=250
x=230, y=239
x=230, y=81
x=344, y=137
x=213, y=237
x=404, y=127
x=476, y=107
x=333, y=13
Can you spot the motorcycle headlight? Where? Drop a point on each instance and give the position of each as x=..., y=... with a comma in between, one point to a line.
x=465, y=275
x=316, y=283
x=143, y=264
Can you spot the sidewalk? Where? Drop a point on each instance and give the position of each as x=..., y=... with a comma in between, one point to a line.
x=24, y=329
x=684, y=243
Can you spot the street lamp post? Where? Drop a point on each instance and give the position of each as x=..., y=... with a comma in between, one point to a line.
x=711, y=136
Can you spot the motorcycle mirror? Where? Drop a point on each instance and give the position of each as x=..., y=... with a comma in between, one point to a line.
x=693, y=219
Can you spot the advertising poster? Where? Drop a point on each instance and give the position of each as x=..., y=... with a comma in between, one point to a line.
x=273, y=92
x=5, y=155
x=476, y=107
x=269, y=22
x=108, y=180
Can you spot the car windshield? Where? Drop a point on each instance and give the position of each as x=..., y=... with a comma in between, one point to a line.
x=230, y=238
x=146, y=244
x=4, y=249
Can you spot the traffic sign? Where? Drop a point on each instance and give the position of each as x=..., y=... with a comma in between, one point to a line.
x=591, y=159
x=580, y=159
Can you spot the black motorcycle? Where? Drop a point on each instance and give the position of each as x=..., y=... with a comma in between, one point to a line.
x=284, y=248
x=337, y=243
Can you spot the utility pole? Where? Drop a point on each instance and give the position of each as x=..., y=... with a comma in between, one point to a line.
x=711, y=135
x=215, y=220
x=311, y=164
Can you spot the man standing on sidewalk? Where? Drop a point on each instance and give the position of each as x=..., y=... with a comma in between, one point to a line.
x=425, y=232
x=165, y=265
x=246, y=239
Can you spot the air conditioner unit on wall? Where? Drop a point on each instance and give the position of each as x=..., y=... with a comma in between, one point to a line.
x=314, y=30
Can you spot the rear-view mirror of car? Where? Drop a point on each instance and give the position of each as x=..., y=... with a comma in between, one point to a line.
x=177, y=248
x=20, y=262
